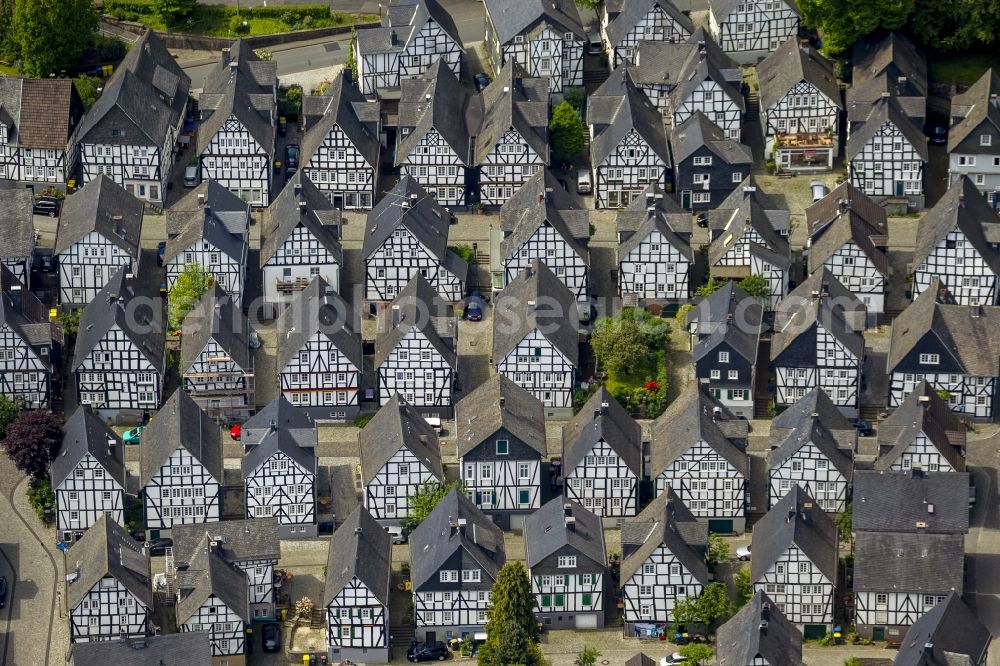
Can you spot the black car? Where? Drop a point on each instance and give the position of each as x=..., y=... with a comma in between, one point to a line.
x=939, y=136
x=270, y=637
x=481, y=81
x=159, y=546
x=3, y=591
x=434, y=651
x=863, y=427
x=161, y=251
x=46, y=206
x=292, y=156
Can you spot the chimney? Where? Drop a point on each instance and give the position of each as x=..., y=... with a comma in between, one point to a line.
x=15, y=296
x=824, y=290
x=393, y=39
x=716, y=413
x=597, y=413
x=297, y=189
x=303, y=208
x=961, y=199
x=567, y=509
x=357, y=530
x=604, y=408
x=119, y=225
x=226, y=53
x=201, y=198
x=807, y=511
x=995, y=100
x=571, y=523
x=502, y=401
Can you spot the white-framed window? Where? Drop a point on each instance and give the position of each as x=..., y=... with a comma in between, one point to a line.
x=985, y=139
x=567, y=561
x=930, y=359
x=449, y=575
x=723, y=357
x=737, y=177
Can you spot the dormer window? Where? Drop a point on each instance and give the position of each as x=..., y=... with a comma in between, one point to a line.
x=3, y=133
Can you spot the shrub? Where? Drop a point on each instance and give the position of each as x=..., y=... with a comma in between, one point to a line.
x=42, y=499
x=362, y=420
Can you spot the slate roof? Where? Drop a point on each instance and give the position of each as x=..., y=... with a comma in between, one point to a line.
x=811, y=430
x=207, y=575
x=790, y=64
x=516, y=17
x=846, y=200
x=745, y=636
x=545, y=532
x=318, y=309
x=875, y=54
x=967, y=333
x=343, y=106
x=397, y=425
x=618, y=107
x=665, y=522
x=242, y=86
x=18, y=223
x=815, y=404
x=801, y=310
x=216, y=318
x=42, y=113
x=106, y=549
x=751, y=213
x=964, y=208
x=697, y=132
x=531, y=215
x=536, y=299
x=236, y=540
x=886, y=109
x=96, y=207
x=898, y=501
x=85, y=433
x=499, y=403
x=223, y=220
x=711, y=315
x=512, y=101
x=774, y=205
x=300, y=202
x=435, y=540
x=690, y=419
x=405, y=18
x=109, y=309
x=160, y=650
x=914, y=563
x=847, y=215
x=602, y=417
x=148, y=93
x=360, y=549
x=279, y=440
x=418, y=306
x=975, y=106
x=180, y=423
x=636, y=214
x=435, y=100
x=628, y=14
x=26, y=315
x=640, y=659
x=284, y=415
x=655, y=221
x=723, y=8
x=922, y=411
x=546, y=186
x=942, y=633
x=796, y=520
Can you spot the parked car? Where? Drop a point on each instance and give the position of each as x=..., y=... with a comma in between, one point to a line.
x=481, y=81
x=158, y=547
x=819, y=190
x=270, y=637
x=743, y=552
x=292, y=156
x=863, y=427
x=133, y=436
x=594, y=45
x=235, y=432
x=434, y=651
x=398, y=534
x=282, y=126
x=161, y=252
x=3, y=591
x=583, y=182
x=191, y=178
x=46, y=206
x=48, y=262
x=673, y=660
x=939, y=136
x=474, y=307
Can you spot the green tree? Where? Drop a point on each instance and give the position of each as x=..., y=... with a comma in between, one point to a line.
x=42, y=499
x=8, y=410
x=713, y=606
x=464, y=251
x=293, y=99
x=587, y=657
x=32, y=440
x=718, y=549
x=576, y=97
x=173, y=11
x=697, y=653
x=423, y=502
x=844, y=520
x=51, y=35
x=843, y=22
x=587, y=4
x=352, y=64
x=957, y=25
x=567, y=133
x=511, y=628
x=744, y=587
x=713, y=285
x=619, y=345
x=756, y=286
x=190, y=285
x=86, y=86
x=852, y=661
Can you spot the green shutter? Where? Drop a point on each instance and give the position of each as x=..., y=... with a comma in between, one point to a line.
x=729, y=395
x=566, y=580
x=579, y=579
x=560, y=601
x=546, y=600
x=587, y=598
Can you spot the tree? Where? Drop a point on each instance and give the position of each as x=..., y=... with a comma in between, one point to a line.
x=8, y=412
x=576, y=97
x=172, y=11
x=844, y=520
x=718, y=549
x=567, y=133
x=42, y=499
x=714, y=605
x=51, y=35
x=352, y=64
x=293, y=98
x=511, y=628
x=744, y=587
x=423, y=502
x=587, y=4
x=466, y=252
x=587, y=657
x=697, y=653
x=32, y=440
x=190, y=285
x=956, y=25
x=713, y=285
x=756, y=286
x=618, y=345
x=86, y=86
x=843, y=22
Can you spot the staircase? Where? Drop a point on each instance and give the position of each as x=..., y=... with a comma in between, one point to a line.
x=593, y=78
x=401, y=635
x=317, y=619
x=870, y=413
x=753, y=106
x=761, y=403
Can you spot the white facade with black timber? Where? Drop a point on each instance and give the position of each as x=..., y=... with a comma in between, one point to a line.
x=279, y=476
x=624, y=27
x=749, y=29
x=30, y=345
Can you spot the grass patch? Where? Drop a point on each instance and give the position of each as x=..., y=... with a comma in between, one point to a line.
x=961, y=69
x=634, y=389
x=223, y=21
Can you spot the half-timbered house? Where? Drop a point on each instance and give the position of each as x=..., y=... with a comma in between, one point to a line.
x=749, y=29
x=282, y=414
x=759, y=635
x=356, y=596
x=500, y=438
x=707, y=165
x=131, y=132
x=211, y=228
x=38, y=119
x=98, y=233
x=180, y=467
x=922, y=433
x=212, y=596
x=251, y=545
x=407, y=235
x=400, y=454
x=627, y=25
x=800, y=106
x=546, y=38
x=816, y=344
x=974, y=137
x=698, y=452
x=188, y=648
x=279, y=477
x=416, y=350
x=88, y=476
x=887, y=63
x=848, y=236
x=236, y=139
x=17, y=247
x=602, y=458
x=663, y=560
x=795, y=561
x=455, y=554
x=119, y=360
x=957, y=242
x=511, y=143
x=535, y=336
x=342, y=144
x=887, y=155
x=951, y=346
x=320, y=354
x=947, y=632
x=774, y=207
x=30, y=345
x=414, y=35
x=725, y=335
x=565, y=553
x=108, y=580
x=628, y=144
x=816, y=405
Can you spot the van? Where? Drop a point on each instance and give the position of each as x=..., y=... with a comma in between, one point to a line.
x=594, y=44
x=583, y=184
x=397, y=533
x=191, y=176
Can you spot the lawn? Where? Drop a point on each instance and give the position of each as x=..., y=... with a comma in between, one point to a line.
x=962, y=69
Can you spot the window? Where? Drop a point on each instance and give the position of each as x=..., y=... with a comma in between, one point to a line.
x=715, y=374
x=985, y=139
x=724, y=357
x=503, y=447
x=930, y=359
x=471, y=575
x=804, y=567
x=737, y=177
x=733, y=375
x=449, y=575
x=703, y=161
x=567, y=561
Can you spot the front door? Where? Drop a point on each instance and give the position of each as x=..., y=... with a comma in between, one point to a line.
x=686, y=199
x=899, y=188
x=878, y=633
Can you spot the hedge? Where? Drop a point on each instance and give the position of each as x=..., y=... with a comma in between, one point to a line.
x=116, y=7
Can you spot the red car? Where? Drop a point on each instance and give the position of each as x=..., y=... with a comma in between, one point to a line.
x=234, y=432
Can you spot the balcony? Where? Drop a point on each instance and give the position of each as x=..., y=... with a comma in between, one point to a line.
x=806, y=140
x=291, y=286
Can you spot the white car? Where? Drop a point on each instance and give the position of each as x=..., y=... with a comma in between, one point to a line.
x=743, y=553
x=673, y=660
x=583, y=185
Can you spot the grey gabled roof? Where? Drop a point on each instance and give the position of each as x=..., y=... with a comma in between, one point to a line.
x=922, y=411
x=602, y=417
x=318, y=309
x=546, y=531
x=698, y=132
x=97, y=207
x=217, y=318
x=222, y=219
x=790, y=64
x=759, y=629
x=180, y=423
x=911, y=501
x=436, y=539
x=405, y=18
x=106, y=549
x=544, y=186
x=964, y=208
x=512, y=101
x=161, y=650
x=637, y=213
x=723, y=8
x=975, y=106
x=886, y=110
x=811, y=431
x=796, y=520
x=85, y=433
x=640, y=659
x=807, y=306
x=873, y=56
x=847, y=215
x=628, y=15
x=945, y=636
x=516, y=17
x=435, y=100
x=750, y=213
x=343, y=106
x=742, y=335
x=655, y=220
x=42, y=112
x=499, y=403
x=360, y=549
x=418, y=306
x=536, y=299
x=908, y=563
x=774, y=205
x=111, y=307
x=618, y=107
x=242, y=88
x=17, y=222
x=692, y=418
x=27, y=316
x=815, y=405
x=300, y=203
x=207, y=575
x=845, y=200
x=284, y=415
x=537, y=213
x=236, y=540
x=397, y=425
x=665, y=522
x=279, y=440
